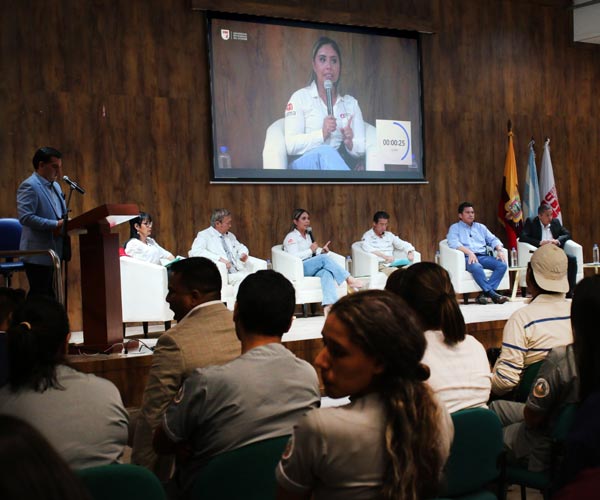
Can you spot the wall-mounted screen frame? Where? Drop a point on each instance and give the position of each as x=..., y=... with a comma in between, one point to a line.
x=271, y=119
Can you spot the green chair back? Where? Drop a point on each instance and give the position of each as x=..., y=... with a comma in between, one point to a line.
x=474, y=460
x=246, y=473
x=121, y=482
x=527, y=381
x=542, y=480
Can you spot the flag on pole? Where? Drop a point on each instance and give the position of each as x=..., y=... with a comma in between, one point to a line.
x=547, y=186
x=531, y=197
x=510, y=212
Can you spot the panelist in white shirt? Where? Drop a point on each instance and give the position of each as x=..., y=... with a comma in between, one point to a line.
x=218, y=244
x=141, y=246
x=382, y=243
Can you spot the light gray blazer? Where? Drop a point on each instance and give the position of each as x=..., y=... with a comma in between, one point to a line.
x=38, y=215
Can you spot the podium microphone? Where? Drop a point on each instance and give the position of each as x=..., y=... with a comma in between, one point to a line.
x=328, y=86
x=73, y=185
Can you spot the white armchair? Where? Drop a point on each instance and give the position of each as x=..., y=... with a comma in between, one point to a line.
x=525, y=250
x=367, y=264
x=144, y=288
x=229, y=291
x=308, y=288
x=462, y=280
x=275, y=155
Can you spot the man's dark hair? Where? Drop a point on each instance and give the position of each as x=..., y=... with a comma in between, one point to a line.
x=543, y=208
x=198, y=273
x=265, y=303
x=463, y=205
x=43, y=155
x=36, y=338
x=380, y=215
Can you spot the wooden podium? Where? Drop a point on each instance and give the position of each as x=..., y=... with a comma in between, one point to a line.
x=100, y=273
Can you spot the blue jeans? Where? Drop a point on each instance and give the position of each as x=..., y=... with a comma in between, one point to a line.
x=477, y=269
x=330, y=273
x=320, y=158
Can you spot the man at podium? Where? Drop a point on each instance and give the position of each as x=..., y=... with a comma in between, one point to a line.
x=41, y=207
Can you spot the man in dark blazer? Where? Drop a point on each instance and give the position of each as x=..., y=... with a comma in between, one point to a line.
x=41, y=208
x=544, y=230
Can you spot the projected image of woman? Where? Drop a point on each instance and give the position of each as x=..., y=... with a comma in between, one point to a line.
x=325, y=139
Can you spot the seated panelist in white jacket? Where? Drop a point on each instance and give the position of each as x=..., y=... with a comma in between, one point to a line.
x=218, y=244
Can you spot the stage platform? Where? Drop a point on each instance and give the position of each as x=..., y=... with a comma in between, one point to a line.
x=129, y=371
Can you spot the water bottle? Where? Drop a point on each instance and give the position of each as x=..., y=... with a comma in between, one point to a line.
x=437, y=257
x=595, y=254
x=269, y=264
x=349, y=264
x=224, y=158
x=513, y=257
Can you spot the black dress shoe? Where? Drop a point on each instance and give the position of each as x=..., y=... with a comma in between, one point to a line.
x=481, y=299
x=497, y=298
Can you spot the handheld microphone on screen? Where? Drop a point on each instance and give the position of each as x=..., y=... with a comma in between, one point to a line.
x=310, y=233
x=328, y=86
x=73, y=185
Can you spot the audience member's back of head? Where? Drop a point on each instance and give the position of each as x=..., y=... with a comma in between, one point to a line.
x=36, y=343
x=584, y=320
x=427, y=289
x=265, y=304
x=31, y=468
x=198, y=273
x=10, y=299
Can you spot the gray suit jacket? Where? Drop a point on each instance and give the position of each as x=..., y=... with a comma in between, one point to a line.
x=38, y=213
x=205, y=337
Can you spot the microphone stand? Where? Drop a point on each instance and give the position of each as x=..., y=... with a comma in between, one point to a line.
x=66, y=248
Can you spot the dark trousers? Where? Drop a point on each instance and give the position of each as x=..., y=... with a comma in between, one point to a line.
x=40, y=279
x=572, y=272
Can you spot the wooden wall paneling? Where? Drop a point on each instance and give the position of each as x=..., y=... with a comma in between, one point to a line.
x=122, y=89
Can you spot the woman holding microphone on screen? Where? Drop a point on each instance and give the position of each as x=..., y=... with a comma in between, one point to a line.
x=325, y=128
x=316, y=262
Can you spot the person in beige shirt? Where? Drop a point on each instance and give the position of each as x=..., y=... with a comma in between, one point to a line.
x=204, y=335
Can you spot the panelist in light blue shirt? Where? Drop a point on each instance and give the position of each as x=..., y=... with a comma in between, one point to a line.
x=473, y=238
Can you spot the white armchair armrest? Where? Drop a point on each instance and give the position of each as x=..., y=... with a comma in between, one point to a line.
x=451, y=259
x=274, y=151
x=144, y=288
x=287, y=264
x=257, y=264
x=576, y=250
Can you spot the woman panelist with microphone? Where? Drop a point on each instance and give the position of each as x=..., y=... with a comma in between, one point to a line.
x=322, y=127
x=299, y=242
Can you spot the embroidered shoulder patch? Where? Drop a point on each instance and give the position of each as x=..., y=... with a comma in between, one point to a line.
x=541, y=389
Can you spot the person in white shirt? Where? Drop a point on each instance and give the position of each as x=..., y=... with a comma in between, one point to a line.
x=218, y=244
x=460, y=371
x=325, y=139
x=381, y=242
x=141, y=246
x=299, y=242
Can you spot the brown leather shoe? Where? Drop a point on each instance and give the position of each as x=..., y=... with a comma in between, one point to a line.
x=498, y=299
